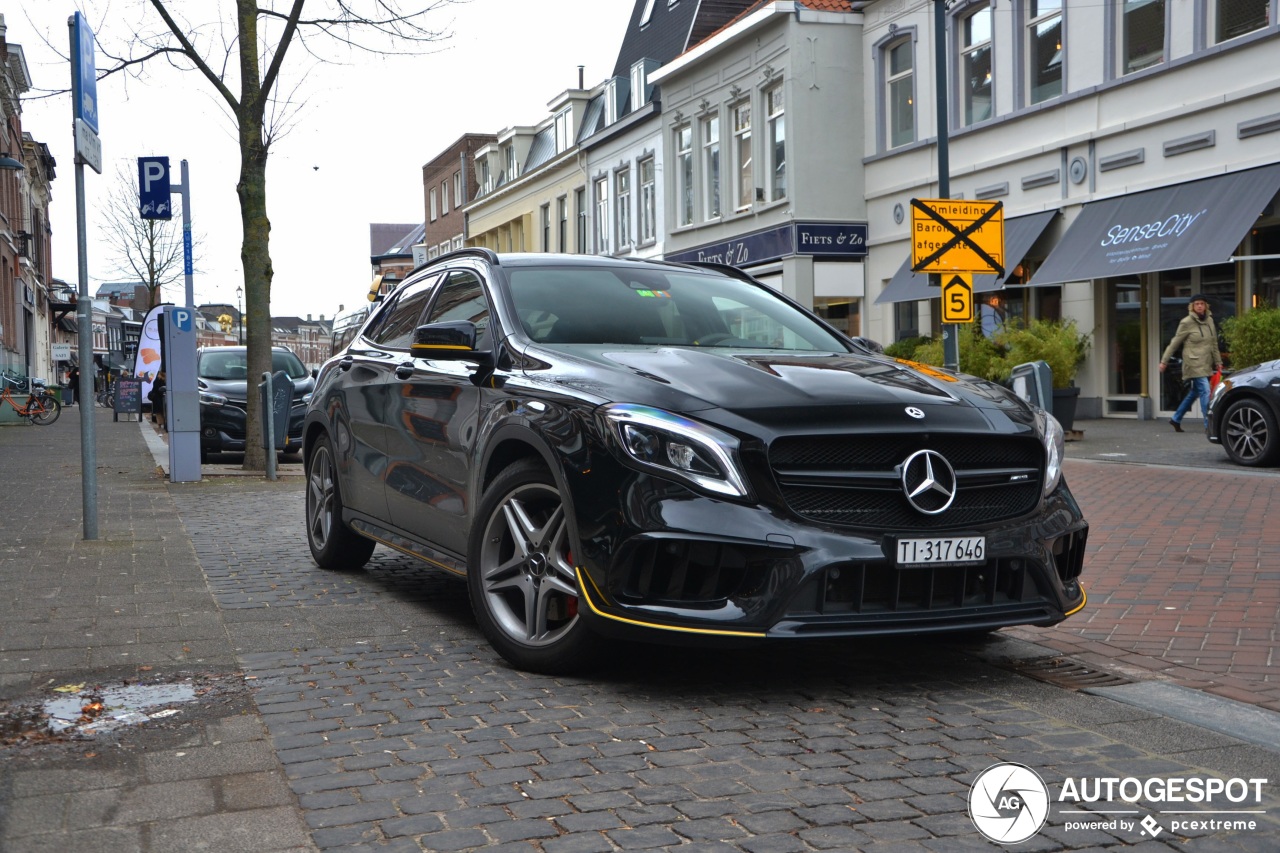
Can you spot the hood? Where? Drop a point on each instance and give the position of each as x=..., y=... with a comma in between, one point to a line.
x=237, y=390
x=765, y=386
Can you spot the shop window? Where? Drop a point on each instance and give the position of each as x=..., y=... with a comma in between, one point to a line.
x=906, y=320
x=841, y=312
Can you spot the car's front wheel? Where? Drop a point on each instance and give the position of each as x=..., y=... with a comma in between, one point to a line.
x=1249, y=433
x=524, y=589
x=333, y=544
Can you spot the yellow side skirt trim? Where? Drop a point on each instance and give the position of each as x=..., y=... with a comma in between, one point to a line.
x=584, y=581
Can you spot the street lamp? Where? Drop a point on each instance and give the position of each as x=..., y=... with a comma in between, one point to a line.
x=9, y=164
x=239, y=312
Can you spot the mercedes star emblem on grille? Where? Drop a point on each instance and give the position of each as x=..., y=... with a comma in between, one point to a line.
x=915, y=413
x=929, y=481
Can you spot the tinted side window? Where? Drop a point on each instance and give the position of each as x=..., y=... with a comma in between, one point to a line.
x=462, y=298
x=396, y=323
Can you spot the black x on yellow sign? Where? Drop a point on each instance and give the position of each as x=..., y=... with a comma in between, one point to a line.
x=953, y=235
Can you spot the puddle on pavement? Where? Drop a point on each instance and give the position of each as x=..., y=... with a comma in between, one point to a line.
x=88, y=710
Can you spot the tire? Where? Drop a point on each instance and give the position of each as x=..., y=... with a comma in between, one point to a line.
x=333, y=544
x=520, y=571
x=1249, y=433
x=45, y=409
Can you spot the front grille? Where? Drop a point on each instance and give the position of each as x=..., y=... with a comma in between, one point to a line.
x=880, y=587
x=855, y=480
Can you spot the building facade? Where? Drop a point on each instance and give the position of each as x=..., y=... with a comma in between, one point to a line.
x=762, y=165
x=448, y=185
x=1134, y=148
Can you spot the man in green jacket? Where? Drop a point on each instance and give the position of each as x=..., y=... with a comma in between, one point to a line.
x=1197, y=339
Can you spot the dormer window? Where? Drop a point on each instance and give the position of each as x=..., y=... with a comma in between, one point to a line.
x=647, y=13
x=639, y=85
x=509, y=154
x=564, y=130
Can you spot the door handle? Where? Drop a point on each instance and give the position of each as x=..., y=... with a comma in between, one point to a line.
x=346, y=362
x=405, y=371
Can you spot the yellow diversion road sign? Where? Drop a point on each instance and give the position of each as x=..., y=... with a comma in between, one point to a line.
x=951, y=235
x=957, y=298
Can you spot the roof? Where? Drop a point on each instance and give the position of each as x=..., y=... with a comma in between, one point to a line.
x=388, y=237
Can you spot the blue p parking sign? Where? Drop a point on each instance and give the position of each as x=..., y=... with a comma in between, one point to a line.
x=154, y=189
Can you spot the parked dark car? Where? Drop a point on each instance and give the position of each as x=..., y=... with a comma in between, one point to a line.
x=678, y=452
x=222, y=374
x=1244, y=412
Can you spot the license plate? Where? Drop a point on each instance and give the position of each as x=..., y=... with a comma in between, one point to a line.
x=945, y=550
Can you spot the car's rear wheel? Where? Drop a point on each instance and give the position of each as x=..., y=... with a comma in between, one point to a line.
x=333, y=544
x=1249, y=433
x=524, y=588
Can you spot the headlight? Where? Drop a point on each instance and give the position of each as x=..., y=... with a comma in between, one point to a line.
x=208, y=398
x=1218, y=391
x=677, y=447
x=1051, y=433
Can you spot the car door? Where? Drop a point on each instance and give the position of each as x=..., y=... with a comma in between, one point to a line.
x=430, y=451
x=369, y=397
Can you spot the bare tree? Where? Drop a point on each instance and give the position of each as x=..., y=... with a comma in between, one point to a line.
x=149, y=250
x=230, y=56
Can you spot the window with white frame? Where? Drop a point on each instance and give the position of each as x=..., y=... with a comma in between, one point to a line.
x=648, y=201
x=458, y=200
x=639, y=85
x=647, y=13
x=580, y=205
x=564, y=130
x=509, y=155
x=432, y=195
x=684, y=175
x=444, y=197
x=745, y=192
x=544, y=216
x=900, y=92
x=1140, y=28
x=562, y=215
x=776, y=127
x=1234, y=18
x=975, y=66
x=601, y=190
x=486, y=179
x=623, y=207
x=1044, y=50
x=457, y=242
x=711, y=167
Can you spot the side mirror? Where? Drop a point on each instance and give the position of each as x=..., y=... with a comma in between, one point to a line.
x=453, y=340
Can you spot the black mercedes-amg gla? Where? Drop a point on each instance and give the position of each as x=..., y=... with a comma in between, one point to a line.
x=678, y=453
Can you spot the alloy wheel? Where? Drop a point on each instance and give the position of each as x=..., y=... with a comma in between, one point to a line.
x=1247, y=433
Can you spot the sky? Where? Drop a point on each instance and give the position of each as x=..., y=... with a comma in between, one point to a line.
x=354, y=153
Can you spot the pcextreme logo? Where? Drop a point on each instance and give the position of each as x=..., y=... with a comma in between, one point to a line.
x=1010, y=803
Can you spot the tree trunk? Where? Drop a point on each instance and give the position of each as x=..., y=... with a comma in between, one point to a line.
x=255, y=254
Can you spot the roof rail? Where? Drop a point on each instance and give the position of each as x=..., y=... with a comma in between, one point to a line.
x=727, y=269
x=471, y=251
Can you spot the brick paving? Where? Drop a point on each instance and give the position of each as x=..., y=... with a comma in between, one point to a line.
x=1183, y=577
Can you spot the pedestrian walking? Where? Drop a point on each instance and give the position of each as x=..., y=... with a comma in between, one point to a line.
x=156, y=396
x=73, y=385
x=1197, y=341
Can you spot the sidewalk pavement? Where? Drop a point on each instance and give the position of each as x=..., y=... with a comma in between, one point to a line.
x=135, y=605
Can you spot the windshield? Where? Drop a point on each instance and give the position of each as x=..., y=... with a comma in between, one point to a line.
x=647, y=306
x=233, y=365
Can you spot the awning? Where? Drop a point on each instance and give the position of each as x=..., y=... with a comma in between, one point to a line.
x=1186, y=225
x=1020, y=233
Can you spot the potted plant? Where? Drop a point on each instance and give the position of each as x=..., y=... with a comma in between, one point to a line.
x=1058, y=343
x=1253, y=337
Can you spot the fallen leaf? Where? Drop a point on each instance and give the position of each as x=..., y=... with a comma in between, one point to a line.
x=69, y=688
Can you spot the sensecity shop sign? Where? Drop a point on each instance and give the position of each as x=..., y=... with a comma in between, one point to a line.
x=1010, y=803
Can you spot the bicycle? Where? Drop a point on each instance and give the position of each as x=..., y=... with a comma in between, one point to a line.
x=40, y=407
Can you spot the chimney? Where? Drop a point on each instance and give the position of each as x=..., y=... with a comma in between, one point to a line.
x=309, y=318
x=341, y=308
x=581, y=80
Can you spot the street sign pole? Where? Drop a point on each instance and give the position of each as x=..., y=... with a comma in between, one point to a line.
x=950, y=332
x=84, y=121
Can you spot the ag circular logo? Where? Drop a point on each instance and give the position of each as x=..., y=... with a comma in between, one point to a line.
x=1008, y=803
